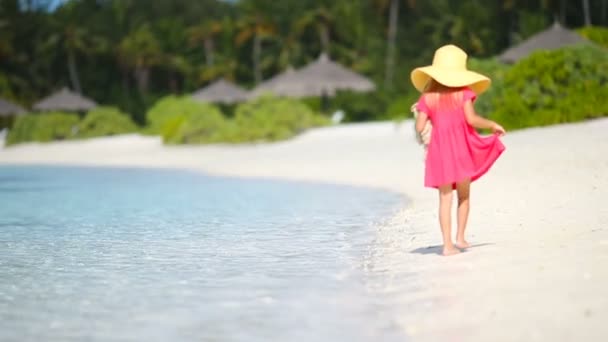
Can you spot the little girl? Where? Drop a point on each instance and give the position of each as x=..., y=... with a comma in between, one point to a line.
x=456, y=154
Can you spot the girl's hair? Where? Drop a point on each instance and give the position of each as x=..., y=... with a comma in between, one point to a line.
x=438, y=95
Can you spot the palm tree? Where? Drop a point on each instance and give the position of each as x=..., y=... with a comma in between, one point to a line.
x=391, y=39
x=256, y=28
x=176, y=66
x=291, y=50
x=225, y=62
x=74, y=40
x=6, y=48
x=224, y=67
x=321, y=19
x=587, y=12
x=391, y=43
x=204, y=34
x=139, y=51
x=562, y=12
x=172, y=38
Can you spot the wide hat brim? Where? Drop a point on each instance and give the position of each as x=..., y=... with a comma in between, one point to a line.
x=449, y=77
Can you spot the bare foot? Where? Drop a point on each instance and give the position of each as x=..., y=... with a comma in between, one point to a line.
x=462, y=244
x=447, y=251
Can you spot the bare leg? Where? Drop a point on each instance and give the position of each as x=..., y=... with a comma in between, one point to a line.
x=463, y=190
x=445, y=208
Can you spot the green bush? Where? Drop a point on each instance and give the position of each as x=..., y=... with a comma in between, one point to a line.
x=598, y=35
x=5, y=87
x=496, y=71
x=360, y=106
x=182, y=120
x=552, y=87
x=104, y=121
x=43, y=127
x=270, y=118
x=201, y=128
x=314, y=103
x=400, y=108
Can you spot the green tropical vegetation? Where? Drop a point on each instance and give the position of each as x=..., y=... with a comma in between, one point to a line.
x=598, y=35
x=51, y=126
x=181, y=120
x=104, y=121
x=552, y=87
x=268, y=118
x=143, y=58
x=43, y=128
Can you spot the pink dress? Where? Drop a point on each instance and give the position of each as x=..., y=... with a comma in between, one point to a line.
x=456, y=151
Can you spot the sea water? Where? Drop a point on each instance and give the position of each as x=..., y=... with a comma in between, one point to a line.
x=102, y=254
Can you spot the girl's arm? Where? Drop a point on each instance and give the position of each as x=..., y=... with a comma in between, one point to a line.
x=421, y=120
x=478, y=122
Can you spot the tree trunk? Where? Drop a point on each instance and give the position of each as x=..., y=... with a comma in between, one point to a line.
x=562, y=12
x=172, y=82
x=391, y=40
x=209, y=51
x=125, y=82
x=73, y=72
x=324, y=36
x=257, y=52
x=587, y=12
x=142, y=75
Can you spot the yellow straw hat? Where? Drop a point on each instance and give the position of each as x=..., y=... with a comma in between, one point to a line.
x=450, y=69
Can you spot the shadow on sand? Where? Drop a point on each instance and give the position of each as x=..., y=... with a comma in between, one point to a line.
x=439, y=248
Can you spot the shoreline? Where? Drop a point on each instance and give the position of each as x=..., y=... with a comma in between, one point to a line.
x=222, y=160
x=538, y=271
x=206, y=173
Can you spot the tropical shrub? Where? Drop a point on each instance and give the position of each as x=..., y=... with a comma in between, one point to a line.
x=5, y=87
x=43, y=127
x=104, y=121
x=360, y=106
x=315, y=103
x=206, y=127
x=400, y=108
x=552, y=87
x=598, y=35
x=496, y=71
x=270, y=118
x=183, y=120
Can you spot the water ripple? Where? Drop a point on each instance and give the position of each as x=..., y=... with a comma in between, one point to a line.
x=115, y=255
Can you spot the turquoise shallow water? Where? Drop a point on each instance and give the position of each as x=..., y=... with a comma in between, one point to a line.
x=149, y=255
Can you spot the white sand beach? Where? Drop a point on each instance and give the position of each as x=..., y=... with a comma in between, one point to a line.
x=538, y=270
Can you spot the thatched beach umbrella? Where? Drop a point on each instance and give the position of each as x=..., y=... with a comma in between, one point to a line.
x=320, y=78
x=221, y=91
x=328, y=77
x=65, y=100
x=10, y=109
x=273, y=84
x=552, y=38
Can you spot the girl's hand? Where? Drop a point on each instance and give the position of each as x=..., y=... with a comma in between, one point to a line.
x=497, y=129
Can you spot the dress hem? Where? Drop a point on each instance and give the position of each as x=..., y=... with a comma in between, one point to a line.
x=475, y=176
